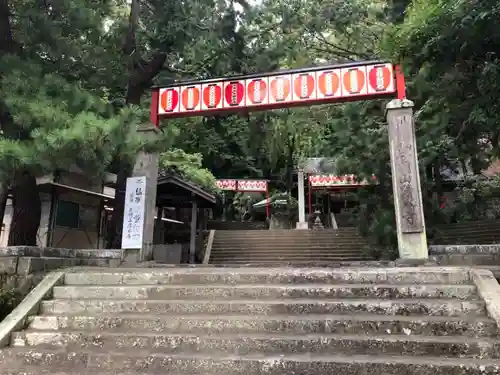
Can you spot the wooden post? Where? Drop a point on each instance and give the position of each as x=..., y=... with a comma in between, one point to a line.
x=192, y=240
x=412, y=241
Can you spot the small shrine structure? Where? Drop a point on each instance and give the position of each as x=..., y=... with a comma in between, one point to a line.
x=246, y=185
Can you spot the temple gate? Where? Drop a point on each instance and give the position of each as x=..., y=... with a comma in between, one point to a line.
x=301, y=87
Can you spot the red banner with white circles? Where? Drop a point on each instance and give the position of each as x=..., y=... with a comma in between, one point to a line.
x=318, y=85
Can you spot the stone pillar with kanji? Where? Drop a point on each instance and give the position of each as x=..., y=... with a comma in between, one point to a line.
x=412, y=240
x=147, y=165
x=302, y=223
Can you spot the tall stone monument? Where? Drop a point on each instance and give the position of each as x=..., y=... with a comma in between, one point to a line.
x=412, y=240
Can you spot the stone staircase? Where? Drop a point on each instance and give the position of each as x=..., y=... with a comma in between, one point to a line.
x=468, y=233
x=287, y=246
x=259, y=321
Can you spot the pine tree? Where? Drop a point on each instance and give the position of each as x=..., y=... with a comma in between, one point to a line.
x=50, y=115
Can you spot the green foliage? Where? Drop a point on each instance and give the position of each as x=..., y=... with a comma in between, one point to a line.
x=60, y=124
x=9, y=299
x=188, y=166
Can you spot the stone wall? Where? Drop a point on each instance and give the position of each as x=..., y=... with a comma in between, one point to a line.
x=22, y=267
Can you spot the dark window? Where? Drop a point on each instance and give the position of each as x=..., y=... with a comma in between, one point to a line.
x=67, y=214
x=88, y=217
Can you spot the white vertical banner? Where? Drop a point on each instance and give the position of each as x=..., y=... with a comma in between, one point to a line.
x=133, y=213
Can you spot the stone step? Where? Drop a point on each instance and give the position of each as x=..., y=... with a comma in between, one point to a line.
x=300, y=263
x=337, y=249
x=305, y=324
x=145, y=363
x=408, y=307
x=269, y=344
x=258, y=291
x=30, y=370
x=289, y=251
x=183, y=276
x=472, y=259
x=311, y=238
x=288, y=232
x=292, y=242
x=249, y=257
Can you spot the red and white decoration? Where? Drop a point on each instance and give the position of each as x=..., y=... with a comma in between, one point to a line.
x=234, y=94
x=257, y=91
x=226, y=184
x=245, y=186
x=354, y=81
x=304, y=86
x=333, y=180
x=328, y=83
x=211, y=96
x=280, y=89
x=252, y=185
x=190, y=98
x=380, y=78
x=169, y=100
x=307, y=86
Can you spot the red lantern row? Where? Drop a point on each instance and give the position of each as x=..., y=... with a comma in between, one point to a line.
x=277, y=91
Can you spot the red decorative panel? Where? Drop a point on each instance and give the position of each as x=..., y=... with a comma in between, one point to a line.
x=234, y=94
x=252, y=185
x=380, y=78
x=190, y=98
x=319, y=85
x=226, y=184
x=169, y=100
x=354, y=81
x=257, y=91
x=280, y=89
x=328, y=84
x=211, y=96
x=333, y=180
x=304, y=86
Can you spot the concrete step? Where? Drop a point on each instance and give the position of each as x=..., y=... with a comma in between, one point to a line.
x=303, y=258
x=300, y=263
x=270, y=344
x=330, y=238
x=134, y=361
x=332, y=242
x=286, y=240
x=248, y=254
x=288, y=251
x=305, y=324
x=290, y=247
x=409, y=307
x=183, y=276
x=30, y=370
x=257, y=291
x=472, y=259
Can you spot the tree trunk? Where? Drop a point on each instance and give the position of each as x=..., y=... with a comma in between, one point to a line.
x=6, y=40
x=26, y=211
x=114, y=231
x=4, y=193
x=141, y=74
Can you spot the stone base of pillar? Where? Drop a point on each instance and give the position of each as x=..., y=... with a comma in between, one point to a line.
x=413, y=246
x=302, y=225
x=130, y=257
